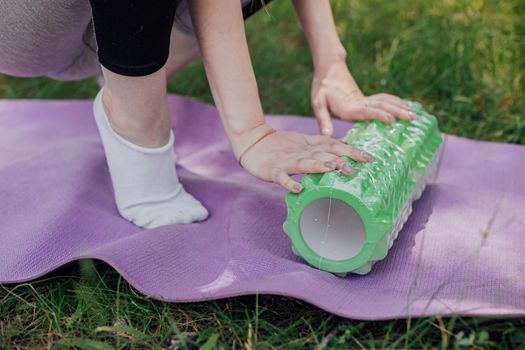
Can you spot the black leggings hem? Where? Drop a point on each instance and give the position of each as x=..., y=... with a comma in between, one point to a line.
x=133, y=36
x=133, y=70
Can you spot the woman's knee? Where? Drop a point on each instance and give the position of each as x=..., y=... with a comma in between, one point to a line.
x=41, y=38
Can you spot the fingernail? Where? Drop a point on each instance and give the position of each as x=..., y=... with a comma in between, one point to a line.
x=367, y=156
x=390, y=118
x=348, y=169
x=325, y=131
x=329, y=164
x=413, y=115
x=297, y=188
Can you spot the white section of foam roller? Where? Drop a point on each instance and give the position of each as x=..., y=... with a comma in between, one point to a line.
x=332, y=229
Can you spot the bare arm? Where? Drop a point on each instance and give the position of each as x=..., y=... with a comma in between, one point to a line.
x=319, y=28
x=267, y=154
x=222, y=40
x=334, y=90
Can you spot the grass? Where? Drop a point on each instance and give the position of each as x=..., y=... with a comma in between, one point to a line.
x=89, y=305
x=464, y=60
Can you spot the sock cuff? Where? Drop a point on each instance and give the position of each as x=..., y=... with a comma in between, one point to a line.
x=99, y=108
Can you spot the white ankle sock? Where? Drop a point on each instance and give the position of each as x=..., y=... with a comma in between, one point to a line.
x=147, y=189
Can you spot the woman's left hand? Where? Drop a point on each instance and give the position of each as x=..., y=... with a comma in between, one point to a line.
x=335, y=92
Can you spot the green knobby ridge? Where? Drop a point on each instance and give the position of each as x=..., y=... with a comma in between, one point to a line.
x=370, y=207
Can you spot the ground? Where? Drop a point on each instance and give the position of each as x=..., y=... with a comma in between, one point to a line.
x=464, y=60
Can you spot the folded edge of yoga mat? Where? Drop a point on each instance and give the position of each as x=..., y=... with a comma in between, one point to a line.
x=460, y=251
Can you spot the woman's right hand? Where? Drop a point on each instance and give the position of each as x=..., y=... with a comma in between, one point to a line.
x=281, y=153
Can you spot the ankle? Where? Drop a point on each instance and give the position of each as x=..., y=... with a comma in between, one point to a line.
x=146, y=127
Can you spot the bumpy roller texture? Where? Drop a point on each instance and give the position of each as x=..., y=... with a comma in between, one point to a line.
x=381, y=192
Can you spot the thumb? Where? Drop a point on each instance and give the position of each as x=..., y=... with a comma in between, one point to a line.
x=324, y=119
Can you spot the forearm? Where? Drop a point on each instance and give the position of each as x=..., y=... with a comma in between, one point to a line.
x=318, y=25
x=220, y=30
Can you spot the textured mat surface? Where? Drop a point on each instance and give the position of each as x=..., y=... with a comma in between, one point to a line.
x=461, y=252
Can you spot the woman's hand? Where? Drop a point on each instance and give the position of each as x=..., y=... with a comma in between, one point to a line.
x=334, y=92
x=279, y=154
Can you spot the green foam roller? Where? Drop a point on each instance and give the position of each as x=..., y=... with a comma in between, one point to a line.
x=344, y=224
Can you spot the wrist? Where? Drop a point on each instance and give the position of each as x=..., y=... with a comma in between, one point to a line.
x=242, y=121
x=241, y=140
x=327, y=58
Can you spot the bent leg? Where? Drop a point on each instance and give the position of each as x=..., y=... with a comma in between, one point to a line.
x=134, y=124
x=47, y=38
x=137, y=107
x=132, y=116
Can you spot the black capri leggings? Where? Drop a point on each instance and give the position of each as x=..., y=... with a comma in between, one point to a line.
x=133, y=36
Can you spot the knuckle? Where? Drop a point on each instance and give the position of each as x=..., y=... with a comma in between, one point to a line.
x=284, y=180
x=327, y=140
x=339, y=160
x=309, y=140
x=317, y=154
x=362, y=109
x=317, y=103
x=352, y=149
x=302, y=163
x=334, y=147
x=348, y=151
x=274, y=173
x=380, y=104
x=355, y=152
x=318, y=165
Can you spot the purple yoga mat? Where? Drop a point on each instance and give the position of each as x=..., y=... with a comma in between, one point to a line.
x=461, y=251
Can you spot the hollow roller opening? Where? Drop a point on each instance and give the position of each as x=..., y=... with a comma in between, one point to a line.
x=332, y=229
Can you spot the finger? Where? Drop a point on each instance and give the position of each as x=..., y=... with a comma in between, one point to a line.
x=331, y=160
x=387, y=98
x=315, y=140
x=342, y=149
x=391, y=98
x=365, y=111
x=397, y=102
x=317, y=165
x=344, y=166
x=322, y=163
x=282, y=178
x=395, y=110
x=323, y=116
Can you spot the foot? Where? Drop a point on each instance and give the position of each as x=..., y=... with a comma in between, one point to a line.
x=147, y=189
